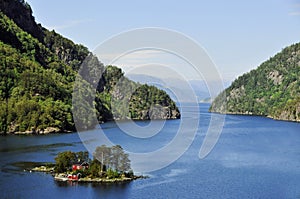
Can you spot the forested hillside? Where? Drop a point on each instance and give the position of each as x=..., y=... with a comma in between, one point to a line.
x=273, y=89
x=38, y=68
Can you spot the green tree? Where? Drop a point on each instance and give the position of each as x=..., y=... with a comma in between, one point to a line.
x=64, y=161
x=96, y=168
x=7, y=82
x=82, y=156
x=112, y=174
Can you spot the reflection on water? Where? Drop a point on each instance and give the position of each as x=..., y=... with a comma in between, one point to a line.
x=255, y=157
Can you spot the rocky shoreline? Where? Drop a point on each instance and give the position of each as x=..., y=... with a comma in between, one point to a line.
x=251, y=114
x=98, y=180
x=63, y=177
x=48, y=130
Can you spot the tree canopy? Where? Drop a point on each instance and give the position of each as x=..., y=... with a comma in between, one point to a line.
x=107, y=161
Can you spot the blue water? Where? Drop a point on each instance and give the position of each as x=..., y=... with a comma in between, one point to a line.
x=255, y=157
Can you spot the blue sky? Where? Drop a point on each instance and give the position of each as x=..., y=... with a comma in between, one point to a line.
x=237, y=35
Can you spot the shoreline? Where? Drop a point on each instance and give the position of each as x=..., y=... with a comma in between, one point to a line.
x=250, y=114
x=54, y=130
x=62, y=177
x=97, y=180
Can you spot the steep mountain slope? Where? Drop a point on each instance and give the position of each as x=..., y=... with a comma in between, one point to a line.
x=37, y=73
x=273, y=89
x=20, y=11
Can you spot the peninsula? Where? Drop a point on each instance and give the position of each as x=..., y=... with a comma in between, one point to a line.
x=38, y=69
x=272, y=90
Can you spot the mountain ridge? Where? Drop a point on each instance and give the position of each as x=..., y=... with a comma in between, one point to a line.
x=271, y=90
x=38, y=70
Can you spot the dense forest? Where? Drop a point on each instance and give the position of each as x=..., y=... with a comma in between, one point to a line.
x=38, y=68
x=273, y=89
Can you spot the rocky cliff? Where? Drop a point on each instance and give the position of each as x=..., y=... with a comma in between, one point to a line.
x=21, y=13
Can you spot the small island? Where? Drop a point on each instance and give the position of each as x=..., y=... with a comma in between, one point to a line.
x=109, y=165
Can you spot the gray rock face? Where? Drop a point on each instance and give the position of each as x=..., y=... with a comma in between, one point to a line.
x=47, y=130
x=159, y=112
x=21, y=13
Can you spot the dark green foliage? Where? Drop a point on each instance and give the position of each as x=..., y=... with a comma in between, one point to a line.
x=38, y=69
x=127, y=99
x=64, y=161
x=97, y=169
x=145, y=98
x=68, y=52
x=129, y=174
x=35, y=93
x=82, y=156
x=112, y=174
x=273, y=89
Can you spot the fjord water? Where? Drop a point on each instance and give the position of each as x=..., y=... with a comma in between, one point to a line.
x=255, y=157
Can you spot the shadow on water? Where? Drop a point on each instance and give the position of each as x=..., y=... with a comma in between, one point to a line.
x=120, y=190
x=101, y=185
x=99, y=190
x=20, y=167
x=48, y=147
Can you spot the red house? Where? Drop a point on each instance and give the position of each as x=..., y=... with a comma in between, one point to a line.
x=73, y=177
x=81, y=166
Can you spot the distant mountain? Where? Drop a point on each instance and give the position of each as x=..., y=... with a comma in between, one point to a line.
x=171, y=85
x=202, y=91
x=273, y=89
x=38, y=69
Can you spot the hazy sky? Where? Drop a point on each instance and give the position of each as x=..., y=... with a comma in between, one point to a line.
x=238, y=35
